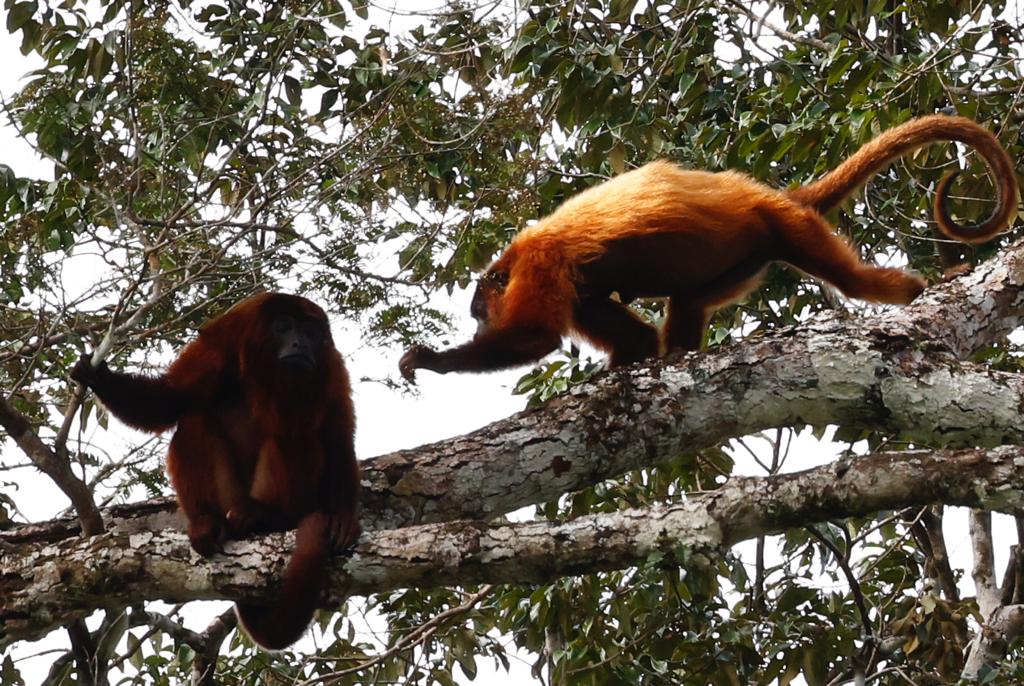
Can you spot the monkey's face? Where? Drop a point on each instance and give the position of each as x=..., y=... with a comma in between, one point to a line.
x=487, y=300
x=478, y=308
x=298, y=341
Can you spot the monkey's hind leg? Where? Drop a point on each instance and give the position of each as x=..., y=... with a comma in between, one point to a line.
x=684, y=327
x=211, y=489
x=613, y=327
x=812, y=247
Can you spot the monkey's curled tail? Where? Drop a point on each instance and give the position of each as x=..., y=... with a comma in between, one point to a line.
x=829, y=191
x=279, y=625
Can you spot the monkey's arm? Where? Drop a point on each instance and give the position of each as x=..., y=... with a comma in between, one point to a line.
x=154, y=403
x=148, y=403
x=342, y=483
x=489, y=351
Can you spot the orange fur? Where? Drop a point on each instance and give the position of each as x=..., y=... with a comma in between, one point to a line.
x=260, y=445
x=701, y=239
x=831, y=189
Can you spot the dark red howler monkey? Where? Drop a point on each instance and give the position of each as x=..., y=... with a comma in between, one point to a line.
x=264, y=442
x=700, y=239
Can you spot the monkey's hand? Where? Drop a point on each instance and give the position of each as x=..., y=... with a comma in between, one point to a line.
x=250, y=517
x=950, y=273
x=343, y=529
x=207, y=534
x=84, y=373
x=414, y=358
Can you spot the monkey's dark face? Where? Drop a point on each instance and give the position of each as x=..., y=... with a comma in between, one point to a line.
x=478, y=308
x=298, y=341
x=486, y=304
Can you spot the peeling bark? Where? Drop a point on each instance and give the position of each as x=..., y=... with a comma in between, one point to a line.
x=640, y=416
x=45, y=584
x=971, y=311
x=895, y=371
x=899, y=371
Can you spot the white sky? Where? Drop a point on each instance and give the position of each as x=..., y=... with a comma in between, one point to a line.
x=446, y=406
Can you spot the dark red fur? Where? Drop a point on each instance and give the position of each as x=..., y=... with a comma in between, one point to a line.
x=257, y=448
x=698, y=238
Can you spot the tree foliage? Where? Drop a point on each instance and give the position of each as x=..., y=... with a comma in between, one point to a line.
x=202, y=150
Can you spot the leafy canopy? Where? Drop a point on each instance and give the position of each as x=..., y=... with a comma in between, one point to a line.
x=204, y=149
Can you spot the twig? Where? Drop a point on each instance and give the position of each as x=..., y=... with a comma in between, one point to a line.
x=417, y=636
x=851, y=578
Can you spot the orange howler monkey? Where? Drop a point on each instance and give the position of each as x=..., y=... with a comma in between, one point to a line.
x=701, y=239
x=264, y=442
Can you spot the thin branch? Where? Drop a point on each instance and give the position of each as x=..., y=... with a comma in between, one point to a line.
x=986, y=588
x=931, y=522
x=21, y=432
x=84, y=649
x=741, y=8
x=204, y=665
x=858, y=595
x=168, y=626
x=417, y=636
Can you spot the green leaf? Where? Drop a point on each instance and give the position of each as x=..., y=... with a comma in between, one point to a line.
x=19, y=14
x=293, y=90
x=328, y=100
x=617, y=158
x=112, y=637
x=134, y=646
x=621, y=10
x=100, y=60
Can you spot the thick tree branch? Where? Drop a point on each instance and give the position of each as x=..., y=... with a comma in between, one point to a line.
x=894, y=372
x=972, y=311
x=645, y=415
x=45, y=585
x=48, y=462
x=897, y=372
x=881, y=372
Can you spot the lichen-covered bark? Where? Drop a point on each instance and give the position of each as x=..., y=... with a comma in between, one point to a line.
x=990, y=644
x=900, y=371
x=824, y=373
x=45, y=584
x=971, y=311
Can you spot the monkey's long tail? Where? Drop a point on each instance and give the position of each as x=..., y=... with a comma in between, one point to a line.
x=279, y=625
x=827, y=192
